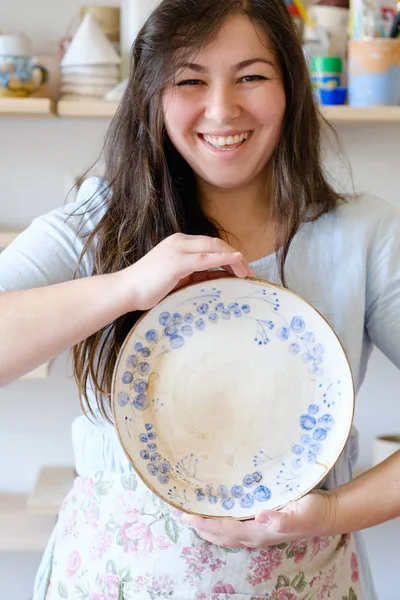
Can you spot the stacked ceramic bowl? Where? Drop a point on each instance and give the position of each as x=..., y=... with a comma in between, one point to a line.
x=90, y=66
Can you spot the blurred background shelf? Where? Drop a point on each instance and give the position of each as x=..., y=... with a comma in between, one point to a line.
x=19, y=530
x=27, y=520
x=7, y=236
x=29, y=107
x=106, y=109
x=51, y=487
x=41, y=372
x=86, y=109
x=352, y=114
x=335, y=114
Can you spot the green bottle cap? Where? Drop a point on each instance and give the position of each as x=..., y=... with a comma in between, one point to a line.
x=326, y=64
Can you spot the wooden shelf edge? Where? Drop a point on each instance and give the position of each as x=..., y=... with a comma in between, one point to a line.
x=335, y=114
x=354, y=114
x=86, y=108
x=20, y=531
x=7, y=236
x=40, y=107
x=50, y=489
x=105, y=109
x=41, y=372
x=27, y=520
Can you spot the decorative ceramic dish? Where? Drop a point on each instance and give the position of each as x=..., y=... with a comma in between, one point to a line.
x=232, y=396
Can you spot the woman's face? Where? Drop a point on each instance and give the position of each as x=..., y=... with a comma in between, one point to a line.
x=225, y=110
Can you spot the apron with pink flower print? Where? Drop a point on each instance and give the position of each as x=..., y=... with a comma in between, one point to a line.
x=116, y=540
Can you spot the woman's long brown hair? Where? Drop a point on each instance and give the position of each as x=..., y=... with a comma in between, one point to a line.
x=153, y=191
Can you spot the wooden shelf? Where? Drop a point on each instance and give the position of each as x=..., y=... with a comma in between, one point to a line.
x=29, y=107
x=352, y=114
x=104, y=109
x=86, y=108
x=26, y=521
x=51, y=487
x=334, y=114
x=20, y=531
x=7, y=236
x=41, y=372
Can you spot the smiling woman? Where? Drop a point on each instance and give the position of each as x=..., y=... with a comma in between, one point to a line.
x=227, y=109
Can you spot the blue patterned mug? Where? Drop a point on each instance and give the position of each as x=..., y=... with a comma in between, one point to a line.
x=19, y=76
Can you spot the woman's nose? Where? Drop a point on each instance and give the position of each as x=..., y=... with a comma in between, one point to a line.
x=221, y=105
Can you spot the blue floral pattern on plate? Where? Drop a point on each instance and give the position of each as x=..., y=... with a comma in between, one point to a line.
x=269, y=481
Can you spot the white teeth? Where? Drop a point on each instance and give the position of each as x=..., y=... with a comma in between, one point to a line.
x=220, y=141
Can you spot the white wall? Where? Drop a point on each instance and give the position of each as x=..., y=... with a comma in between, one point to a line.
x=38, y=159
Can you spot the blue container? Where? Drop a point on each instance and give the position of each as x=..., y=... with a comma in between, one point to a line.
x=335, y=96
x=325, y=80
x=374, y=72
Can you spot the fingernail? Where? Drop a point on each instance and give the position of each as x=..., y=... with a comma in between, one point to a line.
x=265, y=521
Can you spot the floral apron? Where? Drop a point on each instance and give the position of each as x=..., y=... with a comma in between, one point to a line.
x=116, y=540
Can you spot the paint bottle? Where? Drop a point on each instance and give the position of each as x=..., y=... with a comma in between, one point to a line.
x=326, y=71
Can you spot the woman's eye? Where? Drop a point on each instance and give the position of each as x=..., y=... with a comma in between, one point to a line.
x=190, y=82
x=253, y=78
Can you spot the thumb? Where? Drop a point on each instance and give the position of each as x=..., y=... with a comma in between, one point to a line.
x=283, y=521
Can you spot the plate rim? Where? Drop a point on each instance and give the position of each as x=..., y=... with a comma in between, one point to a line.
x=258, y=281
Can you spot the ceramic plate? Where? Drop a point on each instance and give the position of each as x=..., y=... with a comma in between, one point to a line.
x=232, y=396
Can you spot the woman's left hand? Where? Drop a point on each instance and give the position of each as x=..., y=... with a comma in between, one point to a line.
x=312, y=516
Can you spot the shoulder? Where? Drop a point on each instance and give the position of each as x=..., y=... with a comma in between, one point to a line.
x=70, y=223
x=80, y=216
x=368, y=208
x=363, y=217
x=48, y=251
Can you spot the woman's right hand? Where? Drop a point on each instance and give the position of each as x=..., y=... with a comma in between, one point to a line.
x=172, y=263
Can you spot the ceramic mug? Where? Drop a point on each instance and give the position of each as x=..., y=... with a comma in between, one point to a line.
x=15, y=44
x=20, y=76
x=374, y=72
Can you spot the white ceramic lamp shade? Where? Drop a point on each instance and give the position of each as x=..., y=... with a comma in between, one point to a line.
x=90, y=46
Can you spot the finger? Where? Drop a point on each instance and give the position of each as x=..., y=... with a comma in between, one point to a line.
x=221, y=529
x=220, y=541
x=191, y=263
x=224, y=542
x=202, y=276
x=241, y=269
x=194, y=244
x=278, y=522
x=227, y=269
x=200, y=243
x=194, y=521
x=207, y=528
x=253, y=535
x=209, y=532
